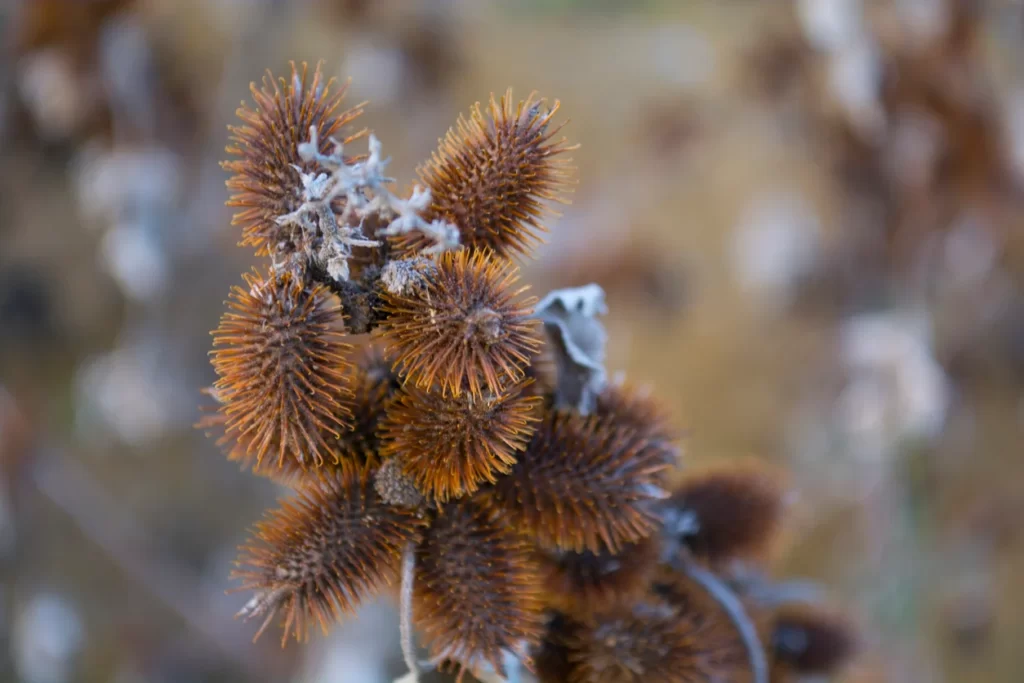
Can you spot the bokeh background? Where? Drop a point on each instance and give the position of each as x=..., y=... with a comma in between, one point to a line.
x=807, y=217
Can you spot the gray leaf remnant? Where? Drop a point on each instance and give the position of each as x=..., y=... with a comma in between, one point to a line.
x=364, y=186
x=579, y=339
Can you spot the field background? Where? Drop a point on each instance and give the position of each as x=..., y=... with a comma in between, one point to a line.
x=772, y=301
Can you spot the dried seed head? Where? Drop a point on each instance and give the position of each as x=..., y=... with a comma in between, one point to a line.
x=266, y=184
x=655, y=641
x=636, y=408
x=477, y=591
x=676, y=633
x=236, y=447
x=583, y=584
x=324, y=551
x=811, y=640
x=465, y=329
x=738, y=511
x=281, y=362
x=584, y=483
x=491, y=176
x=451, y=446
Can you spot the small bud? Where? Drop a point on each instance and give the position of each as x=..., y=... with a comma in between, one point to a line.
x=395, y=487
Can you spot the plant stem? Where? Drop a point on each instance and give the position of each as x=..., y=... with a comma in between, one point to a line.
x=405, y=611
x=734, y=608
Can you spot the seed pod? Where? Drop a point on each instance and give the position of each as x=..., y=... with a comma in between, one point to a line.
x=323, y=552
x=811, y=640
x=477, y=591
x=266, y=184
x=235, y=447
x=281, y=361
x=583, y=483
x=492, y=175
x=738, y=510
x=450, y=446
x=636, y=408
x=583, y=584
x=653, y=641
x=466, y=328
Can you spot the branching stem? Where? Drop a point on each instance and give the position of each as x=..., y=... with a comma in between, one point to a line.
x=718, y=590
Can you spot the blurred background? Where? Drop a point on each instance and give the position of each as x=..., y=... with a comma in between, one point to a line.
x=807, y=216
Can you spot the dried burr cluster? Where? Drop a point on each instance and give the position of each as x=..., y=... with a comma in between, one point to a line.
x=450, y=437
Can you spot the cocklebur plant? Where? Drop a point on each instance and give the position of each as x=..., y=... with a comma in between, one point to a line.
x=445, y=434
